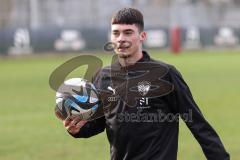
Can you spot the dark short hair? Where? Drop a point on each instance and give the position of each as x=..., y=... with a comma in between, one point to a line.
x=129, y=16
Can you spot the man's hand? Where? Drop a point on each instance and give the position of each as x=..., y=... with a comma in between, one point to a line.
x=73, y=124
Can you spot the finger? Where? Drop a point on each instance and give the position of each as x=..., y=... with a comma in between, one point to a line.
x=74, y=129
x=81, y=123
x=71, y=129
x=75, y=120
x=67, y=121
x=68, y=128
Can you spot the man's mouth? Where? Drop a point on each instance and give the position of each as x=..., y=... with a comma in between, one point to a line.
x=124, y=46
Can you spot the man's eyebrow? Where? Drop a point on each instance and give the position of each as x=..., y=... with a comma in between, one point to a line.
x=115, y=30
x=128, y=30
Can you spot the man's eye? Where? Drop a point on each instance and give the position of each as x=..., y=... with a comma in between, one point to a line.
x=128, y=33
x=115, y=33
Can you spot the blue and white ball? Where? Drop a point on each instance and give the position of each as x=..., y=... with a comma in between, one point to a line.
x=77, y=97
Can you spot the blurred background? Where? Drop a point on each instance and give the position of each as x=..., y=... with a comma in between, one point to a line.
x=30, y=26
x=37, y=36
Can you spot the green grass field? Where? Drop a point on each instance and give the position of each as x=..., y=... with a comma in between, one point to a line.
x=29, y=129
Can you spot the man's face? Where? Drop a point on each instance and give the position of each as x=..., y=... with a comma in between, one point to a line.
x=127, y=38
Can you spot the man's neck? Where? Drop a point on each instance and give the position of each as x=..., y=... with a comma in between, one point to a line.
x=131, y=59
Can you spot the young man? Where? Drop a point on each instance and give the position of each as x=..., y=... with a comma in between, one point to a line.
x=141, y=120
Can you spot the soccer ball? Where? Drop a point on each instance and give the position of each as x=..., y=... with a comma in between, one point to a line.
x=76, y=97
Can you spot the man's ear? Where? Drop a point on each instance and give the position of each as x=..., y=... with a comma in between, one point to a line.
x=143, y=36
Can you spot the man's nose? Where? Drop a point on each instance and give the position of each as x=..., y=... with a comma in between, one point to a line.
x=121, y=38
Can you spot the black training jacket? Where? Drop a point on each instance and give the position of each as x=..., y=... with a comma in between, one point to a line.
x=142, y=104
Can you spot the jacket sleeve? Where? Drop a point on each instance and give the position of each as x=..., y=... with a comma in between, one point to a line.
x=200, y=128
x=91, y=128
